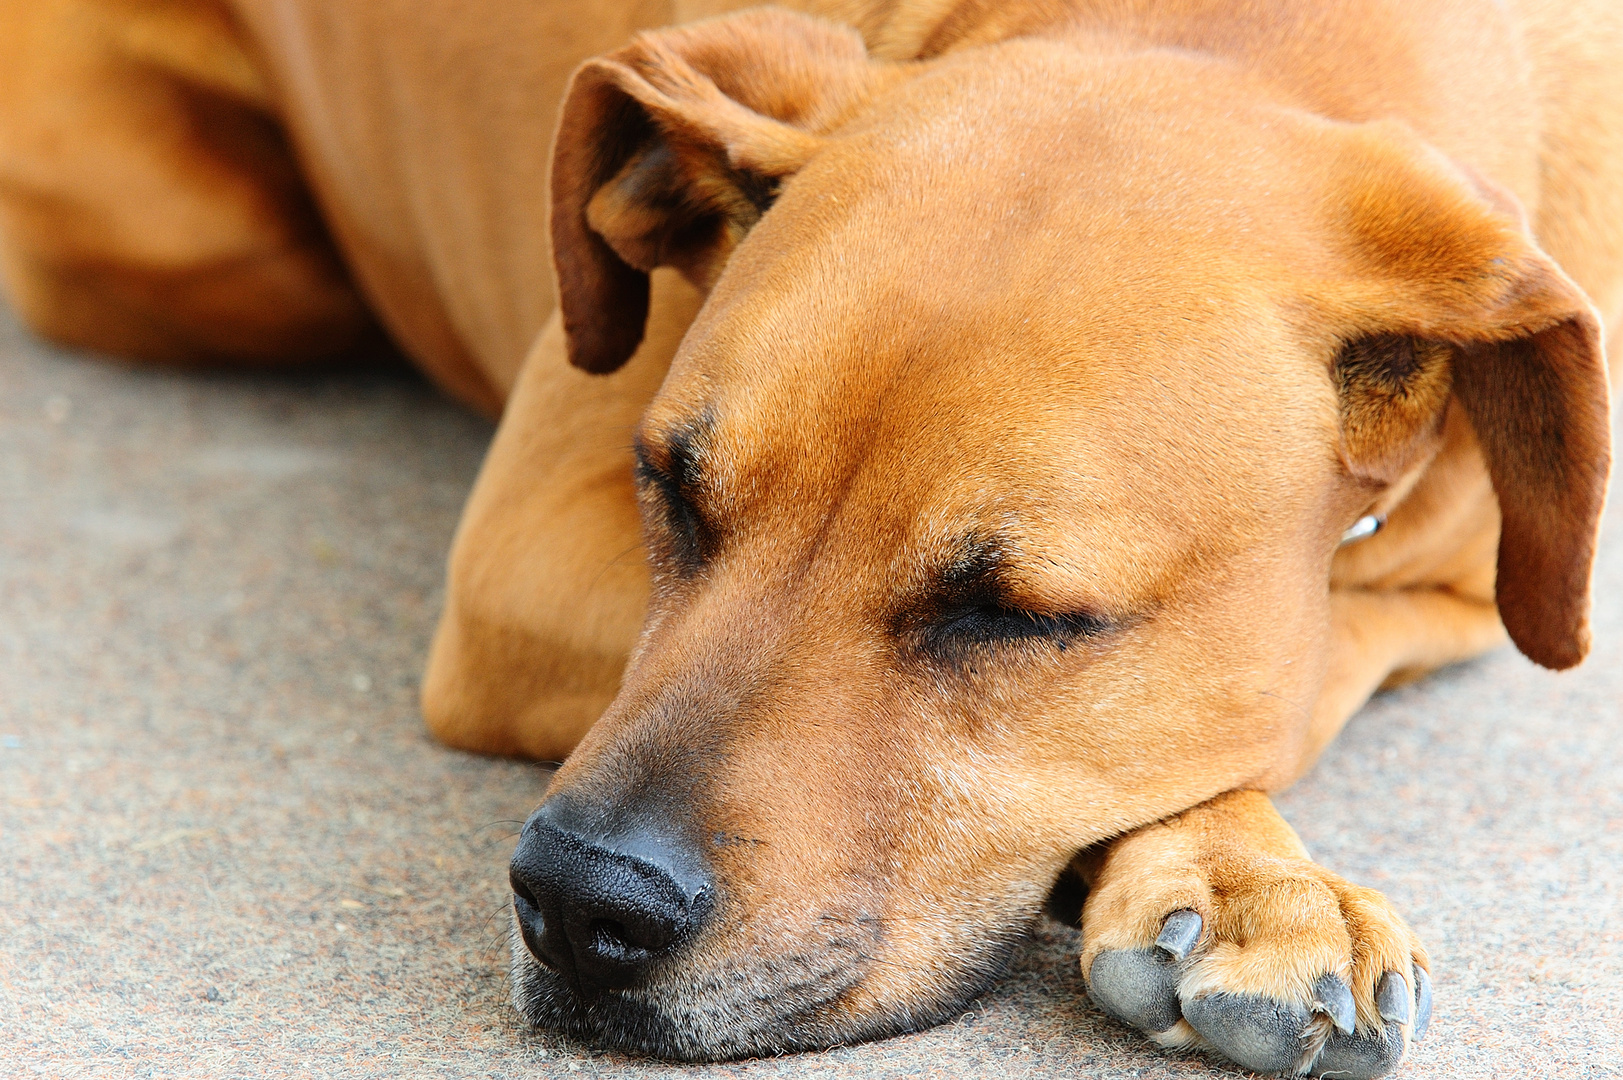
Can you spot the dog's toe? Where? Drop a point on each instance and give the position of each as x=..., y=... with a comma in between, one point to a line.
x=1269, y=1035
x=1361, y=1057
x=1137, y=987
x=1140, y=986
x=1366, y=1055
x=1262, y=1035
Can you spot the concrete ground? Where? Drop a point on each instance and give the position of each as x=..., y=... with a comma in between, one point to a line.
x=227, y=847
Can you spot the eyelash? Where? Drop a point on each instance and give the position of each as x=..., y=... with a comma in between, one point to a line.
x=989, y=624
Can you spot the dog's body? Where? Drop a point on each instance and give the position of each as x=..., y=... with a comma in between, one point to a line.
x=1202, y=284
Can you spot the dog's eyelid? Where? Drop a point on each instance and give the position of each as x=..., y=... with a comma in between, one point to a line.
x=673, y=485
x=674, y=456
x=646, y=472
x=653, y=462
x=992, y=618
x=1045, y=622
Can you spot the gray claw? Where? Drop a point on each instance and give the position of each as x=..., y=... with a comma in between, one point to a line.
x=1179, y=933
x=1261, y=1034
x=1136, y=986
x=1422, y=1019
x=1392, y=998
x=1334, y=998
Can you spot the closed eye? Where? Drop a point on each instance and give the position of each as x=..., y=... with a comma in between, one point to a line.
x=991, y=624
x=688, y=538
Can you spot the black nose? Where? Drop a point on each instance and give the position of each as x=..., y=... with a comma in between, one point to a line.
x=599, y=911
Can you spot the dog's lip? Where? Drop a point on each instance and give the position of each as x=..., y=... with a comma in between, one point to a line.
x=639, y=1021
x=604, y=1022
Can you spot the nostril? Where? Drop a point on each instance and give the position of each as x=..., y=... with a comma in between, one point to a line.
x=521, y=889
x=612, y=941
x=533, y=924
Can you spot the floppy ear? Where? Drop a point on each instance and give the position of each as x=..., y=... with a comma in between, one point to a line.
x=1454, y=296
x=669, y=150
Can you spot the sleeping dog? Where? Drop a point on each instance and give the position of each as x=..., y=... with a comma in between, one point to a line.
x=946, y=444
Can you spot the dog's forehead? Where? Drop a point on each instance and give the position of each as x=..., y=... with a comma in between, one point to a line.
x=1095, y=176
x=1019, y=207
x=1024, y=293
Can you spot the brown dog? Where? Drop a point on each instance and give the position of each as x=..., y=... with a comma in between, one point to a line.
x=994, y=499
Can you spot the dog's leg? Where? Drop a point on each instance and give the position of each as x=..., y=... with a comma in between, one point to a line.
x=149, y=204
x=548, y=584
x=1213, y=928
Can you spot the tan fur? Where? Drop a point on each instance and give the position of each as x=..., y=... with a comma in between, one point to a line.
x=149, y=205
x=1161, y=296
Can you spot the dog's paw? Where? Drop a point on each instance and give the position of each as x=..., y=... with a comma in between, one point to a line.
x=1211, y=930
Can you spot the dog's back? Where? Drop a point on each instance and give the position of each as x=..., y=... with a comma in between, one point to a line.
x=162, y=165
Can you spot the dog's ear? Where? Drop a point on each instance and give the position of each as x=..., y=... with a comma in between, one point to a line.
x=1452, y=295
x=669, y=150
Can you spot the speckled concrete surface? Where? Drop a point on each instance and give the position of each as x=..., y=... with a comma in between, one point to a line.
x=227, y=848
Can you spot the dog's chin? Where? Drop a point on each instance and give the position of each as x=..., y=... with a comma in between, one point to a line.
x=758, y=1009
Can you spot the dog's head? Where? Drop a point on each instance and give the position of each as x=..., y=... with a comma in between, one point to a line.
x=992, y=498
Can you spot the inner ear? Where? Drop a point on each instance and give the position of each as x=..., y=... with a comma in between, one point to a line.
x=680, y=206
x=671, y=149
x=1393, y=391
